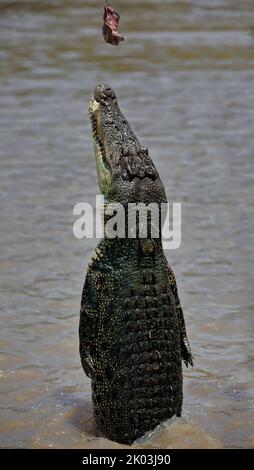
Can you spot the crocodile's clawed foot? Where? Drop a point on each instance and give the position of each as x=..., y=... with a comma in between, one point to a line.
x=187, y=355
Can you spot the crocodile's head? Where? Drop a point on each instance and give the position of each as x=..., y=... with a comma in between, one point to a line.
x=125, y=170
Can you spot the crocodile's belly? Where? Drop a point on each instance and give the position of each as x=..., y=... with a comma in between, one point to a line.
x=138, y=360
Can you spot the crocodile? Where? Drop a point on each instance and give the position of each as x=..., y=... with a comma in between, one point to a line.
x=132, y=330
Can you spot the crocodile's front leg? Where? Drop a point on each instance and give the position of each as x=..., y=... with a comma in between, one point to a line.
x=185, y=347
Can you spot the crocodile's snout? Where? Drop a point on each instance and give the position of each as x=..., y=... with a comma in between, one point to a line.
x=118, y=152
x=104, y=93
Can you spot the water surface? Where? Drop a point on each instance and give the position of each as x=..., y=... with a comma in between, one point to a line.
x=184, y=77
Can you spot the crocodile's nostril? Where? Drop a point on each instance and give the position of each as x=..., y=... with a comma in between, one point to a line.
x=109, y=92
x=103, y=92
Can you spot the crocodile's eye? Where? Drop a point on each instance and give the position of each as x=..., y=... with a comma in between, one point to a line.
x=144, y=150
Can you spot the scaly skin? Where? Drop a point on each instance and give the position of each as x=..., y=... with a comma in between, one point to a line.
x=132, y=329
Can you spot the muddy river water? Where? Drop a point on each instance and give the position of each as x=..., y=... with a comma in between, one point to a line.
x=185, y=80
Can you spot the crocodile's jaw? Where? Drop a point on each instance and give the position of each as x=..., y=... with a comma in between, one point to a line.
x=103, y=171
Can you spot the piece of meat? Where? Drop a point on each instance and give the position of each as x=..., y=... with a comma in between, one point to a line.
x=111, y=19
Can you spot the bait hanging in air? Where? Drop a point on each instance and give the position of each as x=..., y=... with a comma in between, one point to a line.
x=111, y=19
